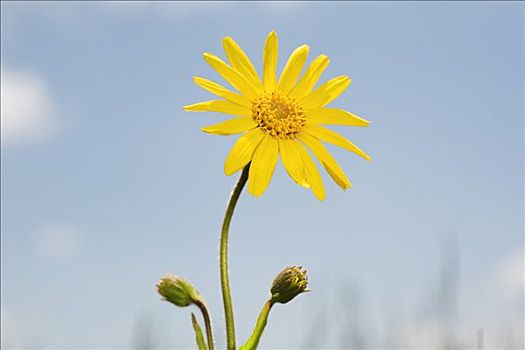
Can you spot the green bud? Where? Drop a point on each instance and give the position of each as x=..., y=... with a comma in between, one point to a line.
x=288, y=284
x=177, y=291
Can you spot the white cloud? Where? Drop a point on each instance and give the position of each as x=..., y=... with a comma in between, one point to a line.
x=10, y=329
x=511, y=274
x=28, y=113
x=3, y=326
x=58, y=241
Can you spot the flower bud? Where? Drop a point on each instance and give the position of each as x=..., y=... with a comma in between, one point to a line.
x=177, y=291
x=289, y=283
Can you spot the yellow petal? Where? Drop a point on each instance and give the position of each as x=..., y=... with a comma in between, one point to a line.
x=336, y=88
x=312, y=174
x=221, y=106
x=334, y=116
x=263, y=165
x=270, y=54
x=332, y=137
x=240, y=61
x=231, y=127
x=310, y=77
x=329, y=163
x=242, y=151
x=325, y=93
x=292, y=69
x=221, y=91
x=292, y=161
x=231, y=75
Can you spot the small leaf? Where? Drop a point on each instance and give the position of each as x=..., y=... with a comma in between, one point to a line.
x=199, y=337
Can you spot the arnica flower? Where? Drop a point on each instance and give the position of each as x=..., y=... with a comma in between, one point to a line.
x=278, y=116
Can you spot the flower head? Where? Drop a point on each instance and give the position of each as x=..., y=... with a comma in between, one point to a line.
x=177, y=291
x=278, y=117
x=288, y=284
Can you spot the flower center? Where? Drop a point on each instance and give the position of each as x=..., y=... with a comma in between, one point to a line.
x=278, y=115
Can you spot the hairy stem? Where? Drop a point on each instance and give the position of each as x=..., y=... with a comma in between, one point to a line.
x=223, y=259
x=252, y=343
x=207, y=323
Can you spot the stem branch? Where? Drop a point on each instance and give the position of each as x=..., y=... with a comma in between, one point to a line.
x=252, y=343
x=223, y=258
x=207, y=323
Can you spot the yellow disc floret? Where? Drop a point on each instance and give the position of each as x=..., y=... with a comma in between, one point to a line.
x=278, y=115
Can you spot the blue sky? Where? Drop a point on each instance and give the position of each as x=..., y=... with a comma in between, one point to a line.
x=107, y=184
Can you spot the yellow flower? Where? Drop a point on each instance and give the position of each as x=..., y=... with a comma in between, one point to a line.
x=278, y=117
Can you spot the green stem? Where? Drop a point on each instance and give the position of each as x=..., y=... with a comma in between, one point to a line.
x=207, y=323
x=223, y=259
x=199, y=338
x=252, y=343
